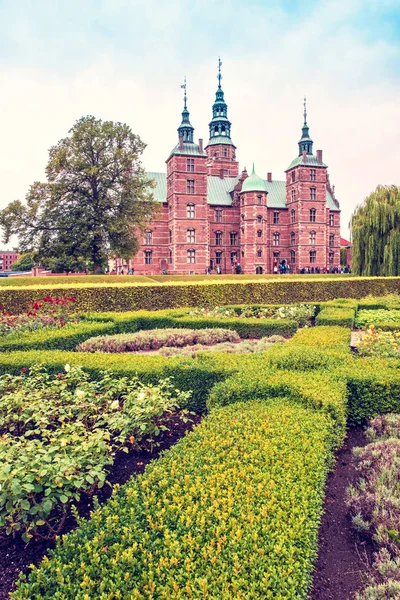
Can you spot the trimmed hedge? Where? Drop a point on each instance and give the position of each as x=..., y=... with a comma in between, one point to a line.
x=231, y=511
x=246, y=328
x=125, y=297
x=335, y=315
x=323, y=337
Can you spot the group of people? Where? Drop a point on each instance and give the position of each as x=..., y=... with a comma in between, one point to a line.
x=324, y=270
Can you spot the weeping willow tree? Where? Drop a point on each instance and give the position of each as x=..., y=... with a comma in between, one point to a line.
x=375, y=228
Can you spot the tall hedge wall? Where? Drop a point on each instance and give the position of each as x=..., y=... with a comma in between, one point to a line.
x=153, y=297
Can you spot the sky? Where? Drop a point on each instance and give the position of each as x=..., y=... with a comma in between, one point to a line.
x=125, y=60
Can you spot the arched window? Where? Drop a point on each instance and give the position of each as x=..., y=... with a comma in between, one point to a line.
x=218, y=238
x=233, y=238
x=259, y=253
x=259, y=233
x=191, y=257
x=293, y=215
x=313, y=215
x=170, y=257
x=292, y=238
x=148, y=237
x=293, y=195
x=170, y=235
x=313, y=237
x=190, y=211
x=276, y=239
x=259, y=219
x=259, y=199
x=191, y=236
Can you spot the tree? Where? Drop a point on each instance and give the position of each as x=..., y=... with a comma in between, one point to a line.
x=375, y=227
x=96, y=202
x=25, y=262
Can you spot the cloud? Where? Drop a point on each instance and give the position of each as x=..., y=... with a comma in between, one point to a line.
x=124, y=60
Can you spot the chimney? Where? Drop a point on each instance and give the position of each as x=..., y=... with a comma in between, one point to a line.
x=181, y=142
x=319, y=156
x=201, y=145
x=304, y=156
x=269, y=177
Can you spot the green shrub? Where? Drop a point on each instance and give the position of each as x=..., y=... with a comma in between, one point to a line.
x=206, y=520
x=130, y=296
x=246, y=328
x=290, y=357
x=65, y=338
x=335, y=315
x=379, y=318
x=323, y=338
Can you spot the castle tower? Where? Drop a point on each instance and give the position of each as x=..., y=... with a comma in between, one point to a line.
x=306, y=195
x=220, y=149
x=187, y=201
x=254, y=230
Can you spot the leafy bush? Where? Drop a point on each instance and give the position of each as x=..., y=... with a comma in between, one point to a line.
x=366, y=318
x=379, y=344
x=49, y=312
x=323, y=337
x=246, y=328
x=156, y=339
x=383, y=427
x=244, y=347
x=206, y=519
x=301, y=313
x=60, y=434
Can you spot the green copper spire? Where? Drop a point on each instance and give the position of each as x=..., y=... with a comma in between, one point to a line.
x=220, y=126
x=306, y=143
x=254, y=183
x=185, y=129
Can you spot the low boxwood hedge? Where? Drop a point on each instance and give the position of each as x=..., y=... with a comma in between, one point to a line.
x=336, y=315
x=246, y=328
x=231, y=511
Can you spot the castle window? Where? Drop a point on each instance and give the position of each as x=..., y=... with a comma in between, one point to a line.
x=242, y=216
x=191, y=236
x=331, y=219
x=259, y=233
x=190, y=211
x=233, y=238
x=313, y=174
x=293, y=216
x=259, y=219
x=218, y=215
x=293, y=195
x=277, y=256
x=233, y=258
x=218, y=258
x=313, y=214
x=331, y=240
x=313, y=237
x=242, y=199
x=218, y=238
x=313, y=193
x=148, y=257
x=148, y=237
x=331, y=258
x=242, y=230
x=190, y=165
x=292, y=256
x=313, y=256
x=292, y=238
x=225, y=149
x=293, y=176
x=170, y=257
x=242, y=253
x=276, y=239
x=190, y=186
x=191, y=257
x=170, y=235
x=259, y=253
x=259, y=199
x=276, y=217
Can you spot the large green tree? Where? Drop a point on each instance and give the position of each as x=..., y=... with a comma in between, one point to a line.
x=375, y=227
x=96, y=202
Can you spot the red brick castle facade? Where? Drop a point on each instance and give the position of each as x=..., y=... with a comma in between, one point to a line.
x=213, y=217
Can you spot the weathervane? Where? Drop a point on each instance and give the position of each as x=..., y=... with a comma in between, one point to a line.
x=184, y=87
x=219, y=76
x=305, y=110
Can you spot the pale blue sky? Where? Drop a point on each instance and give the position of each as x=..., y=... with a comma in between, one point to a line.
x=125, y=59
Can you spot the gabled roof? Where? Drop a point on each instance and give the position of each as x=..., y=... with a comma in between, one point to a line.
x=220, y=191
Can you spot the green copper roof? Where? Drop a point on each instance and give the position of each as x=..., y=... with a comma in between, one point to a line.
x=220, y=139
x=219, y=191
x=311, y=161
x=254, y=183
x=189, y=148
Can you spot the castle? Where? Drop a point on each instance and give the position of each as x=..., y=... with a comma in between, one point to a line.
x=214, y=219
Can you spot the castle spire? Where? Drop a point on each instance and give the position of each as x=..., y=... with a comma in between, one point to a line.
x=185, y=129
x=306, y=143
x=220, y=126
